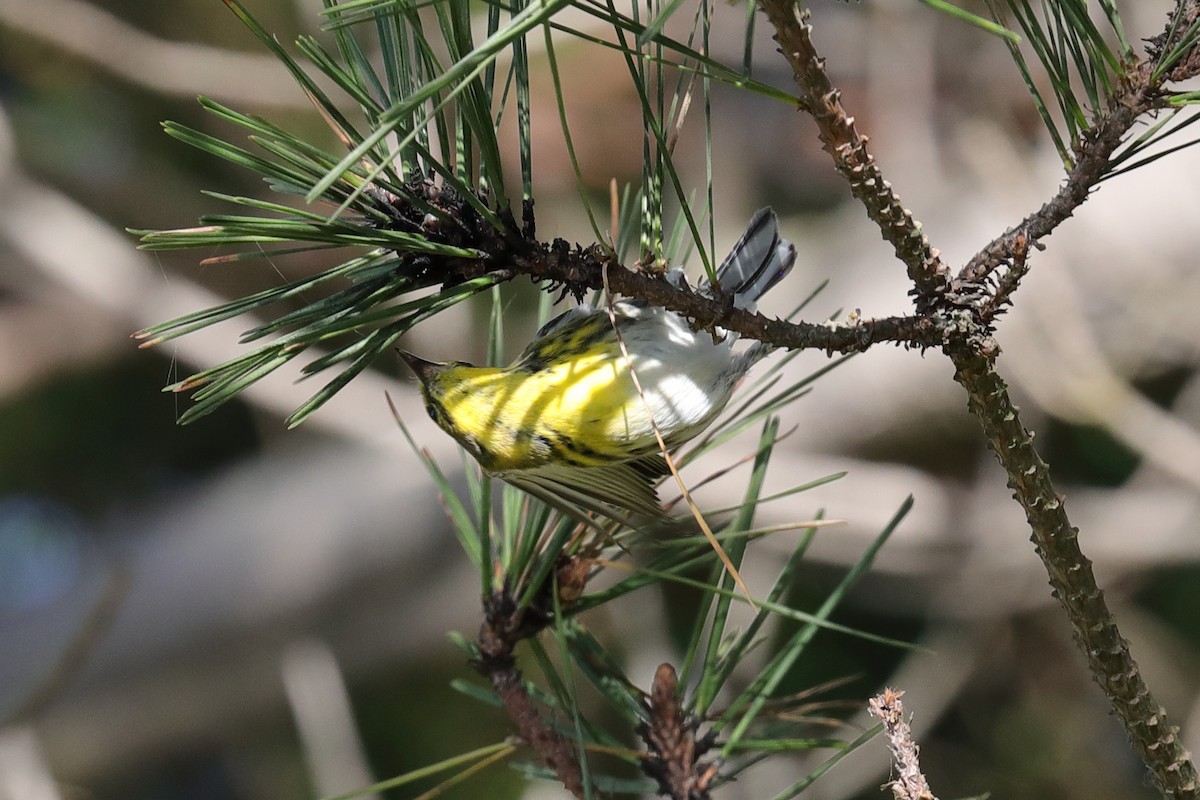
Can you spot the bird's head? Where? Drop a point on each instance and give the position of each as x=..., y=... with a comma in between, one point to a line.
x=464, y=401
x=443, y=389
x=433, y=377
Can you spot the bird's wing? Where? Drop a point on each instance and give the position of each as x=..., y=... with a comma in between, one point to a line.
x=571, y=315
x=577, y=329
x=558, y=336
x=626, y=487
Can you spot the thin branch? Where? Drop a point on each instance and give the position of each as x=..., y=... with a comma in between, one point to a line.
x=83, y=642
x=909, y=783
x=850, y=155
x=504, y=626
x=1134, y=98
x=994, y=305
x=1139, y=93
x=1074, y=585
x=579, y=269
x=968, y=307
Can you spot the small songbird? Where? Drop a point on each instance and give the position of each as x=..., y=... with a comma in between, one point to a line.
x=565, y=420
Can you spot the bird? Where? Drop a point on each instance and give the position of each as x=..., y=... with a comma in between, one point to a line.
x=565, y=421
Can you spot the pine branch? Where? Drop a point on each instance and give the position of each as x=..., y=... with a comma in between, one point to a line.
x=1071, y=577
x=504, y=626
x=579, y=269
x=969, y=304
x=850, y=155
x=1137, y=96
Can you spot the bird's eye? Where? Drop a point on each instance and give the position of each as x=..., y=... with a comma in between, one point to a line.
x=432, y=411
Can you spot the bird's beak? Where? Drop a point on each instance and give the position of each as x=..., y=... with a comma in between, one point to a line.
x=421, y=368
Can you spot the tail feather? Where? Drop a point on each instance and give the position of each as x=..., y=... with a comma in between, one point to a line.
x=757, y=262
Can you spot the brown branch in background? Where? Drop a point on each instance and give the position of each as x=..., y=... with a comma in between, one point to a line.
x=850, y=155
x=95, y=35
x=90, y=633
x=909, y=783
x=504, y=626
x=968, y=305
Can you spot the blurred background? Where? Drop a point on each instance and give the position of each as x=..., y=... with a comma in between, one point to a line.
x=232, y=610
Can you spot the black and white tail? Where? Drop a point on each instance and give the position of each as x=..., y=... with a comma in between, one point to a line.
x=757, y=262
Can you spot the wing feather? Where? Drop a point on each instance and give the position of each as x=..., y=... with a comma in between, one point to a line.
x=628, y=486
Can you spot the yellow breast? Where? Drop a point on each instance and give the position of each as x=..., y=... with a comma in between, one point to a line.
x=584, y=410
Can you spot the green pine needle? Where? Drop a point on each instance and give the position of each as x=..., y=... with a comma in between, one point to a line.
x=984, y=24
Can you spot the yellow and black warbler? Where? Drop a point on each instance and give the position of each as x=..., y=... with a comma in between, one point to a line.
x=565, y=420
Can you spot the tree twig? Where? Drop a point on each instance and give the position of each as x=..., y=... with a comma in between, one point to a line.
x=969, y=306
x=1074, y=585
x=850, y=154
x=504, y=626
x=577, y=269
x=910, y=782
x=1133, y=98
x=511, y=250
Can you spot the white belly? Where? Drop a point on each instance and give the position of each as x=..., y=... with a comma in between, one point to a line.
x=686, y=378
